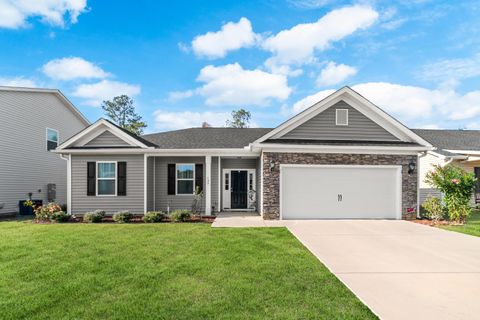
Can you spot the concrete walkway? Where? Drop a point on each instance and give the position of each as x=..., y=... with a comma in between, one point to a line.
x=399, y=269
x=237, y=219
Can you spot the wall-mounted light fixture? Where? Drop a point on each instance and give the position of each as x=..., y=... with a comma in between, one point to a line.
x=411, y=167
x=272, y=165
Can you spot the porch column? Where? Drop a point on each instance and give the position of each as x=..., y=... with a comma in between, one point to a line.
x=208, y=185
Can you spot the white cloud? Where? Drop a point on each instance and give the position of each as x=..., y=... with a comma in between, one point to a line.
x=410, y=104
x=17, y=82
x=14, y=14
x=233, y=86
x=232, y=36
x=180, y=95
x=94, y=94
x=335, y=73
x=310, y=4
x=452, y=69
x=168, y=120
x=298, y=44
x=73, y=68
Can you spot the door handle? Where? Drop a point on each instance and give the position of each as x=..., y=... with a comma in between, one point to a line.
x=339, y=197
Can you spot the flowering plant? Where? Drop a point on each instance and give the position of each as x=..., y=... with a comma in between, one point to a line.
x=28, y=203
x=47, y=212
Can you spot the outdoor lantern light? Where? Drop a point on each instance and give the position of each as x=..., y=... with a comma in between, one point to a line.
x=411, y=167
x=272, y=165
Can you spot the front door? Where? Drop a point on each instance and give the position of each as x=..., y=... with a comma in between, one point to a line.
x=239, y=190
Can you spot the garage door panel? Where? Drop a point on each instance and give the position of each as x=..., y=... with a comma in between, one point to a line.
x=339, y=192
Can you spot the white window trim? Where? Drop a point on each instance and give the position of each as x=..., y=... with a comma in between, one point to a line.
x=184, y=179
x=115, y=179
x=336, y=117
x=47, y=140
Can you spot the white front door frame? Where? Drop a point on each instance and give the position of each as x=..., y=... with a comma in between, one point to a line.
x=251, y=175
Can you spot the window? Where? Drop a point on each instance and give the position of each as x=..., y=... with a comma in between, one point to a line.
x=52, y=139
x=250, y=181
x=185, y=178
x=341, y=117
x=106, y=178
x=227, y=181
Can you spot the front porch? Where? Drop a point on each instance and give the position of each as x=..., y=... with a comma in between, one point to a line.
x=228, y=183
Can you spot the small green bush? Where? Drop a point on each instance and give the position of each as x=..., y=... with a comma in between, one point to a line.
x=122, y=216
x=180, y=215
x=153, y=216
x=433, y=208
x=60, y=216
x=94, y=216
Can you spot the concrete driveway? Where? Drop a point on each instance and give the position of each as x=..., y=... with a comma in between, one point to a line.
x=399, y=269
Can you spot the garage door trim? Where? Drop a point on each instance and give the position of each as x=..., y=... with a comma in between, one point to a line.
x=398, y=178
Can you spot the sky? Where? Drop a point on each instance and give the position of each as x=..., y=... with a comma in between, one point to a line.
x=185, y=62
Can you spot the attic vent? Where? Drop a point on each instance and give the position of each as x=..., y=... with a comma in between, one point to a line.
x=341, y=118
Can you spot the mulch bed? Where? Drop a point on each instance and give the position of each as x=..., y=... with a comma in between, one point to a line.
x=432, y=223
x=138, y=219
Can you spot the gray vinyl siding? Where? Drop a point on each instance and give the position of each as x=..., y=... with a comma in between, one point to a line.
x=323, y=127
x=162, y=199
x=25, y=164
x=150, y=185
x=133, y=201
x=106, y=139
x=425, y=193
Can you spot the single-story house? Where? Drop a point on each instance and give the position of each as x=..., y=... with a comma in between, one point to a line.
x=458, y=147
x=341, y=158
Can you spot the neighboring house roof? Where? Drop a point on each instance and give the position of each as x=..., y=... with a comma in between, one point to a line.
x=443, y=140
x=206, y=138
x=56, y=92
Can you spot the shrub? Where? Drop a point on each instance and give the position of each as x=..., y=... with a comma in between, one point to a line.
x=60, y=216
x=180, y=215
x=153, y=216
x=457, y=187
x=45, y=212
x=434, y=208
x=122, y=216
x=94, y=216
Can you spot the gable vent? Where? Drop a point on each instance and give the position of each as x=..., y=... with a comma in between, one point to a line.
x=341, y=117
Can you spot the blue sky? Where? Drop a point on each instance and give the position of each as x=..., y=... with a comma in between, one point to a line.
x=185, y=62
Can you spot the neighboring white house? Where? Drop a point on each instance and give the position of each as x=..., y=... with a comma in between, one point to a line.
x=32, y=123
x=458, y=147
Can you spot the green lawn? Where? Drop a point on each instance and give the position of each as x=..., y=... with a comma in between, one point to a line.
x=164, y=271
x=472, y=226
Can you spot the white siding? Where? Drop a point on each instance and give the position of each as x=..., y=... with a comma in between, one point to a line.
x=25, y=164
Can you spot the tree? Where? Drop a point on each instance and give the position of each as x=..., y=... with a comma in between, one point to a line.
x=240, y=119
x=122, y=111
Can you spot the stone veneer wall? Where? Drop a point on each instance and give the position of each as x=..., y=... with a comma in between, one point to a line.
x=271, y=179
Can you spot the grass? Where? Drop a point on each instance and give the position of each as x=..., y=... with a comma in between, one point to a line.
x=164, y=271
x=471, y=227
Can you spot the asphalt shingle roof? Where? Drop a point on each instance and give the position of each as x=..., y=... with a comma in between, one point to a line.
x=451, y=139
x=206, y=138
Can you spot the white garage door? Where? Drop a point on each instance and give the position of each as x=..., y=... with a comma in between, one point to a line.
x=340, y=192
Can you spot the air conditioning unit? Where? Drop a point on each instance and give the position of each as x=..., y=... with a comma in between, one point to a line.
x=51, y=192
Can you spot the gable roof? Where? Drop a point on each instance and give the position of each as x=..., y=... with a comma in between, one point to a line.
x=98, y=128
x=443, y=140
x=355, y=100
x=206, y=138
x=57, y=93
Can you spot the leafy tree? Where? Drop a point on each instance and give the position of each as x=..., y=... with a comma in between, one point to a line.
x=457, y=187
x=240, y=119
x=122, y=111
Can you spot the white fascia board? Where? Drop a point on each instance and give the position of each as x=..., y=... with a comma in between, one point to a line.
x=290, y=148
x=465, y=152
x=164, y=152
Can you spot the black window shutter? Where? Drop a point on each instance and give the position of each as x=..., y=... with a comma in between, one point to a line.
x=91, y=177
x=171, y=178
x=199, y=176
x=122, y=179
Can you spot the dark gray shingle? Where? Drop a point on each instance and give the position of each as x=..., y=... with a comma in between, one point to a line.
x=451, y=139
